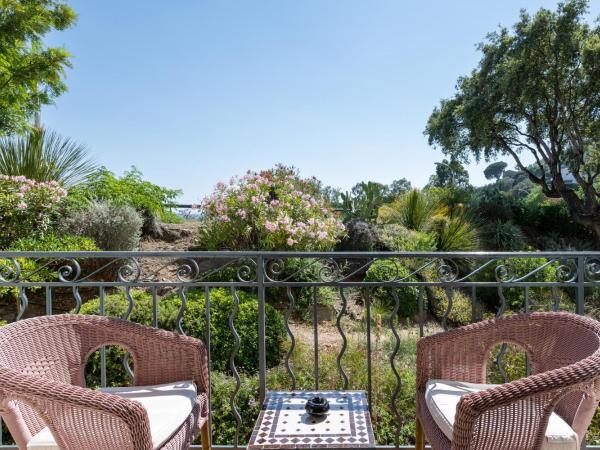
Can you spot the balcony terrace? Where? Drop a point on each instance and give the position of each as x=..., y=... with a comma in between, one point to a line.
x=346, y=326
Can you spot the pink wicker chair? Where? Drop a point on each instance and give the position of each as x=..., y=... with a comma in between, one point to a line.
x=42, y=363
x=564, y=352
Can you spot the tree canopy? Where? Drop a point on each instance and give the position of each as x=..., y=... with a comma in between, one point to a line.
x=31, y=74
x=449, y=174
x=495, y=170
x=535, y=92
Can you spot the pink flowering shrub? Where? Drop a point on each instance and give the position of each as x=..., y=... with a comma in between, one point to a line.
x=27, y=207
x=271, y=210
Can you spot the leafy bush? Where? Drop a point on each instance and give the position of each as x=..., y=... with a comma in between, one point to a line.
x=503, y=236
x=35, y=268
x=513, y=364
x=27, y=207
x=271, y=210
x=518, y=268
x=194, y=324
x=129, y=190
x=399, y=238
x=388, y=270
x=223, y=423
x=111, y=226
x=360, y=237
x=461, y=311
x=493, y=205
x=54, y=243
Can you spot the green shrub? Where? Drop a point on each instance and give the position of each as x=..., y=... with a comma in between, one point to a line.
x=111, y=226
x=130, y=189
x=390, y=270
x=399, y=238
x=518, y=268
x=35, y=269
x=461, y=311
x=194, y=324
x=513, y=364
x=223, y=423
x=503, y=236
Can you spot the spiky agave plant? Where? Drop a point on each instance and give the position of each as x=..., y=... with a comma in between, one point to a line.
x=44, y=155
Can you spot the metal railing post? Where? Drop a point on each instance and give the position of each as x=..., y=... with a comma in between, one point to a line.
x=580, y=285
x=262, y=359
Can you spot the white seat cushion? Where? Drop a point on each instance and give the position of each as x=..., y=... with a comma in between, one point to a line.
x=442, y=397
x=168, y=406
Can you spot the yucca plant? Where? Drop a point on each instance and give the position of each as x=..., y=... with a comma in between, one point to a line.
x=456, y=231
x=413, y=210
x=420, y=211
x=43, y=155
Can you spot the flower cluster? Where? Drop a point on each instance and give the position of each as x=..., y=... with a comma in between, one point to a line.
x=26, y=206
x=270, y=210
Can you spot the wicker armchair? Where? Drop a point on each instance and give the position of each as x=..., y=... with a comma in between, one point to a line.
x=564, y=352
x=42, y=363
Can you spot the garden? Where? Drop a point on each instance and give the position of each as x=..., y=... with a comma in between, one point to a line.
x=54, y=196
x=278, y=209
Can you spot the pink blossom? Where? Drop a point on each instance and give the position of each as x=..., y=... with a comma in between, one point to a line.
x=224, y=218
x=271, y=226
x=255, y=199
x=22, y=205
x=241, y=213
x=291, y=241
x=321, y=235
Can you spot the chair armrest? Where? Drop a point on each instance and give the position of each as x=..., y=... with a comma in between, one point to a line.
x=499, y=414
x=79, y=417
x=158, y=356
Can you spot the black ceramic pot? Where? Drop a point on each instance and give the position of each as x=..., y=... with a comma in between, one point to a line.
x=317, y=406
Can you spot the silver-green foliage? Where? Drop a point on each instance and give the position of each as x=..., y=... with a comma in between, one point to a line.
x=112, y=227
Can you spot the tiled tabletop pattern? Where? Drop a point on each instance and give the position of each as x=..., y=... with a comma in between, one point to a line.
x=284, y=424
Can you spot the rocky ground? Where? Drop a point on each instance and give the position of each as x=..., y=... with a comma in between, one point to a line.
x=177, y=237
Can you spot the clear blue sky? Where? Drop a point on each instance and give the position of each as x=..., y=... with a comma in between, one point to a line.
x=192, y=92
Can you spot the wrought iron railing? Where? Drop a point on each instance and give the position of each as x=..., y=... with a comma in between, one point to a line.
x=432, y=291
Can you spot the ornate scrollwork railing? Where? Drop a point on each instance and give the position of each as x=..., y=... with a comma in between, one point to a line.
x=296, y=283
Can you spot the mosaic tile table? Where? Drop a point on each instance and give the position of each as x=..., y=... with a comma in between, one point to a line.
x=284, y=424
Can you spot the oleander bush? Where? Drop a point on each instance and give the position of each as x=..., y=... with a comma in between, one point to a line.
x=111, y=226
x=28, y=208
x=271, y=210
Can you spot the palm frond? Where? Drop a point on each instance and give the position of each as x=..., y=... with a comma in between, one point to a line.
x=44, y=156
